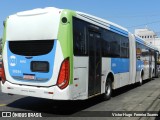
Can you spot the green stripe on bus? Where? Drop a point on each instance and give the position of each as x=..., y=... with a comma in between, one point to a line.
x=65, y=36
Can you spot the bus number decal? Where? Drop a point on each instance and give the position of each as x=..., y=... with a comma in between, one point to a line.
x=17, y=71
x=23, y=61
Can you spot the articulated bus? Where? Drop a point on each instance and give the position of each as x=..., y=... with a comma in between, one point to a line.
x=62, y=54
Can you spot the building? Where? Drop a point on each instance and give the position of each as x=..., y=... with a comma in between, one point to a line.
x=149, y=36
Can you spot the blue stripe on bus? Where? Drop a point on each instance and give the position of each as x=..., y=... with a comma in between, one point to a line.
x=139, y=40
x=120, y=65
x=118, y=30
x=19, y=65
x=144, y=43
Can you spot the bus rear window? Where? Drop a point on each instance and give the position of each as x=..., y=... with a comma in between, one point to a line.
x=31, y=48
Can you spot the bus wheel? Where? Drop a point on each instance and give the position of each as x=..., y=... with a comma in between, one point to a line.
x=152, y=78
x=141, y=80
x=158, y=74
x=108, y=89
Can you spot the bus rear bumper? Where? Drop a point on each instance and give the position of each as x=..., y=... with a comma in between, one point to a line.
x=53, y=92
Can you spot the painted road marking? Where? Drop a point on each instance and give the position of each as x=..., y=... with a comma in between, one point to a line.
x=1, y=105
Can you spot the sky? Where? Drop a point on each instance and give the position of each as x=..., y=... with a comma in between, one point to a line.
x=130, y=14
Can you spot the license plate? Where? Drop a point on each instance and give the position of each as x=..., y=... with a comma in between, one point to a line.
x=29, y=77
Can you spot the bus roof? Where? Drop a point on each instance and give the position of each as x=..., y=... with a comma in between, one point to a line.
x=104, y=22
x=98, y=20
x=142, y=41
x=23, y=25
x=37, y=11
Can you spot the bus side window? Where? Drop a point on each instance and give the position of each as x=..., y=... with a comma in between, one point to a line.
x=111, y=45
x=80, y=45
x=124, y=47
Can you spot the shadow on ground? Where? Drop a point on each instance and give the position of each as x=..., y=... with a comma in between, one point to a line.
x=55, y=107
x=158, y=118
x=61, y=107
x=125, y=89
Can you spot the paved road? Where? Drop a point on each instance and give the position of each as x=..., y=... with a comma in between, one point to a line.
x=130, y=98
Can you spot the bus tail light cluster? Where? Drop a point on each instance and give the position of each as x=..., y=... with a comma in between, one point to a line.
x=2, y=74
x=63, y=78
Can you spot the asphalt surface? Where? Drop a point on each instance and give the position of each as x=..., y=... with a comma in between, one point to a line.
x=129, y=99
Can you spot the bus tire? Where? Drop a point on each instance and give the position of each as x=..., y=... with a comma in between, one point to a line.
x=141, y=80
x=108, y=89
x=153, y=75
x=158, y=76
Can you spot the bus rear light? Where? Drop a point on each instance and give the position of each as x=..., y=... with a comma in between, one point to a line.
x=2, y=74
x=63, y=78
